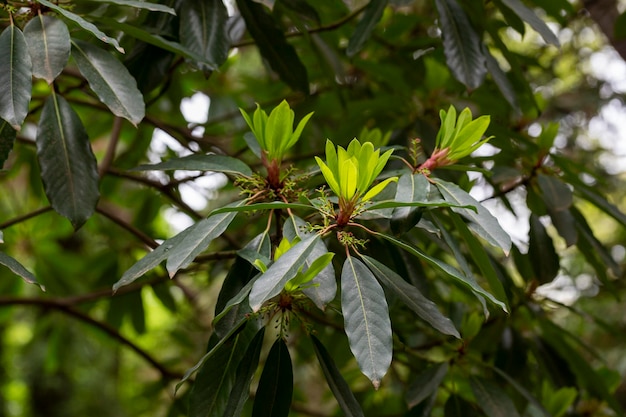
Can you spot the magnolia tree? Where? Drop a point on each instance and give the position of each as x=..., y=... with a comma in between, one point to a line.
x=353, y=261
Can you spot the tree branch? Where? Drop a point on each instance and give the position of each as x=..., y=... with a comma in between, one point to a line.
x=25, y=217
x=110, y=153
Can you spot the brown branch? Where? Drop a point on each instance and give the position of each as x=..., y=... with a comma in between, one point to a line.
x=109, y=214
x=25, y=217
x=116, y=130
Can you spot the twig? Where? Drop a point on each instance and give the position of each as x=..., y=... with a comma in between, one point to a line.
x=25, y=217
x=106, y=212
x=116, y=130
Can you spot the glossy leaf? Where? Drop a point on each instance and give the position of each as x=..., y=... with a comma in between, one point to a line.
x=482, y=221
x=18, y=269
x=544, y=259
x=110, y=80
x=88, y=26
x=273, y=46
x=198, y=239
x=426, y=384
x=15, y=76
x=49, y=45
x=286, y=267
x=412, y=297
x=366, y=319
x=411, y=188
x=68, y=166
x=339, y=387
x=494, y=401
x=273, y=397
x=462, y=46
x=199, y=162
x=7, y=138
x=565, y=224
x=365, y=27
x=533, y=20
x=203, y=30
x=142, y=5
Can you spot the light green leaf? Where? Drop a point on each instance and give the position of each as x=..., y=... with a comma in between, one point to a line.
x=375, y=190
x=426, y=384
x=15, y=76
x=533, y=20
x=198, y=162
x=68, y=166
x=328, y=176
x=110, y=80
x=371, y=17
x=275, y=391
x=461, y=44
x=482, y=221
x=492, y=399
x=348, y=175
x=7, y=137
x=203, y=30
x=412, y=297
x=366, y=320
x=273, y=281
x=18, y=269
x=49, y=46
x=144, y=5
x=88, y=26
x=339, y=387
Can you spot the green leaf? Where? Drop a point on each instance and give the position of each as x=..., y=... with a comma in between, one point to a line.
x=143, y=5
x=461, y=44
x=457, y=406
x=411, y=188
x=245, y=372
x=492, y=399
x=215, y=379
x=273, y=397
x=200, y=162
x=524, y=392
x=273, y=46
x=366, y=320
x=544, y=259
x=68, y=166
x=110, y=80
x=565, y=224
x=412, y=297
x=203, y=30
x=15, y=76
x=49, y=45
x=273, y=205
x=286, y=267
x=198, y=239
x=7, y=137
x=620, y=27
x=18, y=269
x=501, y=80
x=556, y=194
x=88, y=26
x=482, y=221
x=426, y=384
x=533, y=20
x=339, y=387
x=469, y=282
x=371, y=17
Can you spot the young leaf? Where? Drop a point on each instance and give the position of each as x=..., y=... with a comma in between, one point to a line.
x=339, y=387
x=363, y=31
x=273, y=281
x=7, y=137
x=88, y=26
x=366, y=319
x=426, y=384
x=68, y=165
x=412, y=297
x=533, y=20
x=273, y=397
x=15, y=76
x=201, y=162
x=203, y=30
x=492, y=399
x=461, y=44
x=49, y=46
x=18, y=269
x=110, y=80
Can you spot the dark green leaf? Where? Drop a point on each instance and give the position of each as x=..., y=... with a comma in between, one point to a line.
x=153, y=7
x=482, y=221
x=602, y=203
x=273, y=205
x=529, y=397
x=198, y=162
x=273, y=397
x=18, y=269
x=492, y=399
x=68, y=166
x=544, y=260
x=300, y=8
x=49, y=46
x=7, y=137
x=273, y=46
x=565, y=224
x=620, y=27
x=88, y=26
x=339, y=387
x=243, y=377
x=462, y=46
x=426, y=384
x=411, y=188
x=15, y=76
x=556, y=194
x=457, y=406
x=110, y=80
x=533, y=20
x=412, y=297
x=203, y=31
x=366, y=319
x=286, y=267
x=371, y=17
x=499, y=77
